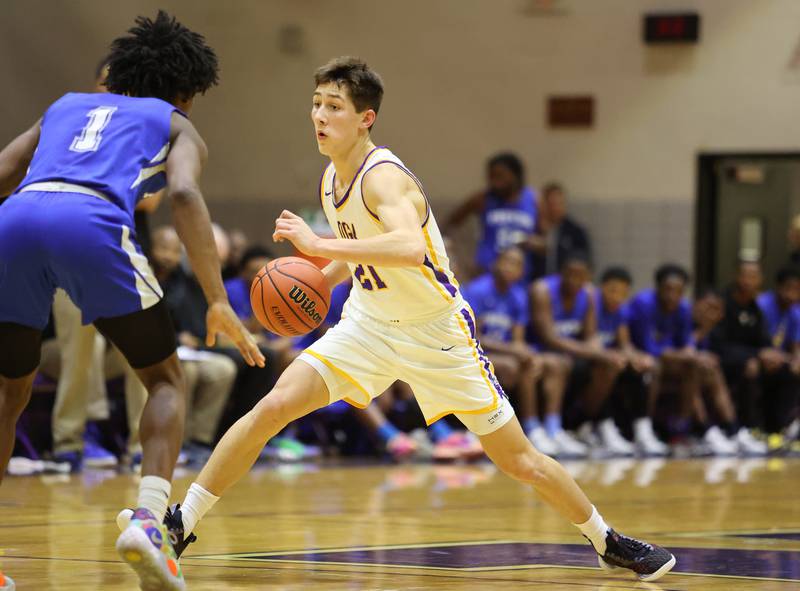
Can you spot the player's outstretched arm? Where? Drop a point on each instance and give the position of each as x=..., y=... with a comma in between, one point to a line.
x=15, y=159
x=396, y=200
x=193, y=224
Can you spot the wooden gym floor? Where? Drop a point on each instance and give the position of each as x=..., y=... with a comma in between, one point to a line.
x=732, y=523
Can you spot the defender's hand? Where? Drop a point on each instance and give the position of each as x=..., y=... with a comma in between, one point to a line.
x=222, y=319
x=292, y=227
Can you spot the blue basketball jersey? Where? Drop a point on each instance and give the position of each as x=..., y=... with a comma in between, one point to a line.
x=505, y=224
x=497, y=312
x=113, y=144
x=568, y=322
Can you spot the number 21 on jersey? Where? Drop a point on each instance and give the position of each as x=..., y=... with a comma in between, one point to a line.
x=91, y=135
x=366, y=282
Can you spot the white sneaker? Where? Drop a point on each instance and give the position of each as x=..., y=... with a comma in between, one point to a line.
x=587, y=435
x=613, y=440
x=568, y=446
x=542, y=442
x=646, y=440
x=718, y=444
x=749, y=445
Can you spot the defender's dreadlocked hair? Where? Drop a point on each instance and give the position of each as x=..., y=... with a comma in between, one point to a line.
x=163, y=59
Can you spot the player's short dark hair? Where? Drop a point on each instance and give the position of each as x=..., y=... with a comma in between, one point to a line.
x=552, y=187
x=363, y=84
x=163, y=59
x=668, y=270
x=255, y=252
x=576, y=256
x=510, y=161
x=616, y=274
x=787, y=273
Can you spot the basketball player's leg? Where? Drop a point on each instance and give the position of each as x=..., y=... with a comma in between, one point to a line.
x=299, y=391
x=516, y=456
x=21, y=346
x=147, y=341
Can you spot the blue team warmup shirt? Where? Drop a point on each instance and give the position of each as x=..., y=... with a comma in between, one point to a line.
x=498, y=312
x=568, y=322
x=653, y=330
x=505, y=224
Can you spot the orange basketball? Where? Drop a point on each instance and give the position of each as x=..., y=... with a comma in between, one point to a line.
x=290, y=296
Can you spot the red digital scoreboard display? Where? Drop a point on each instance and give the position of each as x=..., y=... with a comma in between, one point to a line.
x=672, y=28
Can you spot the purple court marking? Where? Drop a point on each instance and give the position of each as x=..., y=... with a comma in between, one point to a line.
x=703, y=561
x=795, y=535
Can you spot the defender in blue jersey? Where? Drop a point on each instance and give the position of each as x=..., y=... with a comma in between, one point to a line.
x=508, y=213
x=75, y=178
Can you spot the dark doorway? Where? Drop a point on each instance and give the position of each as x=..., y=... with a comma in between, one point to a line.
x=745, y=205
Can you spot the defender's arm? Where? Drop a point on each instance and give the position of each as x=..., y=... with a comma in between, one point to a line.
x=16, y=157
x=193, y=224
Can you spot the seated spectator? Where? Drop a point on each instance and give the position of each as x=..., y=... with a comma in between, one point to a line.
x=564, y=326
x=238, y=246
x=557, y=235
x=507, y=210
x=743, y=344
x=210, y=373
x=501, y=310
x=781, y=309
x=638, y=378
x=661, y=325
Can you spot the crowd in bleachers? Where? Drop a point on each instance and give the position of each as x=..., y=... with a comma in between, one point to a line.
x=591, y=368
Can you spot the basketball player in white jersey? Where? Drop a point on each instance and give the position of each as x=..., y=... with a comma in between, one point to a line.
x=405, y=319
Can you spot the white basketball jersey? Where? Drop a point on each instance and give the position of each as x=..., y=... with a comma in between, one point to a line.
x=392, y=294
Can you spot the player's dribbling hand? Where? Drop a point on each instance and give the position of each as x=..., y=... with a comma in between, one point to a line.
x=222, y=319
x=292, y=227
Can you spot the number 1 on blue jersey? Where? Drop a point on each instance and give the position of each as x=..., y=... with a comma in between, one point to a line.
x=91, y=135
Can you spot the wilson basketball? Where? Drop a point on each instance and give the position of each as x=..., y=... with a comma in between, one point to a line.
x=290, y=296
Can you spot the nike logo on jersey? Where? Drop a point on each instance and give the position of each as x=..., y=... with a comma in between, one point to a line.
x=447, y=348
x=328, y=193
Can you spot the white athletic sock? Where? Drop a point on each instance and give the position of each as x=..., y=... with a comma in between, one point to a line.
x=198, y=502
x=154, y=495
x=595, y=529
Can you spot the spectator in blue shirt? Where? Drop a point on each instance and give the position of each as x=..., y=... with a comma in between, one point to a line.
x=564, y=324
x=661, y=325
x=507, y=209
x=501, y=310
x=637, y=381
x=781, y=310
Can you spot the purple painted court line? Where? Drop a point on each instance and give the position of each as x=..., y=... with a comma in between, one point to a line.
x=706, y=561
x=770, y=536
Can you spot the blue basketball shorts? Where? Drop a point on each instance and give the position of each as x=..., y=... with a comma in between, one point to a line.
x=81, y=243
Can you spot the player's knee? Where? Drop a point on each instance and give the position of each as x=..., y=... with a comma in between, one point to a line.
x=271, y=414
x=168, y=374
x=14, y=397
x=525, y=466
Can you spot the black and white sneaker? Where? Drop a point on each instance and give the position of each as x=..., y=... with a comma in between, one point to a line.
x=173, y=521
x=648, y=561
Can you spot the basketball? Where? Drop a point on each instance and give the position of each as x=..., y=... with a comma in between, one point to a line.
x=290, y=296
